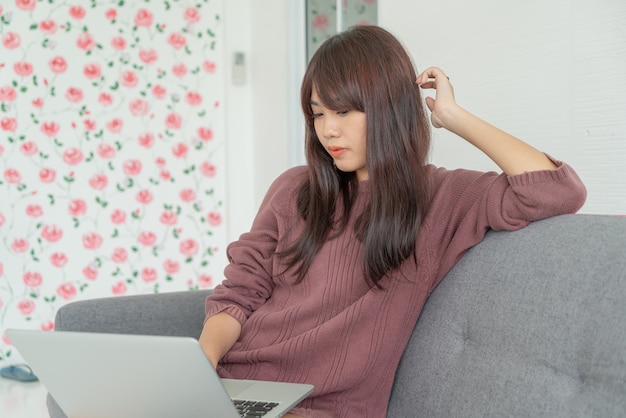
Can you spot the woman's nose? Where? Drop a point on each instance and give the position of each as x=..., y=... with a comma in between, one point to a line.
x=330, y=128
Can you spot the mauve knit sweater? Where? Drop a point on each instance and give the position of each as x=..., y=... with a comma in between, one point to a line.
x=332, y=330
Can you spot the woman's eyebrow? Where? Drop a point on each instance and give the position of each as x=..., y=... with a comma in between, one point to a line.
x=313, y=103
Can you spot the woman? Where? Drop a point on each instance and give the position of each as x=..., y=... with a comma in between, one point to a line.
x=328, y=284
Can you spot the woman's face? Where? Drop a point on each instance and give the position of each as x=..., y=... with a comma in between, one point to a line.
x=342, y=133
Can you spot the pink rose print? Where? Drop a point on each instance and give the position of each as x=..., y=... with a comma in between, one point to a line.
x=26, y=306
x=188, y=247
x=98, y=181
x=7, y=94
x=67, y=291
x=146, y=140
x=47, y=175
x=208, y=67
x=89, y=124
x=105, y=99
x=214, y=218
x=74, y=94
x=19, y=245
x=148, y=56
x=171, y=266
x=165, y=175
x=92, y=71
x=34, y=211
x=144, y=196
x=120, y=255
x=321, y=22
x=173, y=121
x=29, y=148
x=132, y=167
x=48, y=26
x=118, y=43
x=159, y=92
x=139, y=107
x=179, y=70
x=92, y=241
x=11, y=40
x=105, y=151
x=50, y=128
x=148, y=274
x=32, y=279
x=8, y=124
x=58, y=260
x=51, y=233
x=12, y=176
x=180, y=149
x=129, y=79
x=77, y=207
x=143, y=18
x=119, y=288
x=192, y=15
x=168, y=218
x=23, y=69
x=72, y=156
x=147, y=238
x=187, y=195
x=115, y=125
x=205, y=134
x=27, y=5
x=85, y=41
x=47, y=326
x=207, y=169
x=205, y=281
x=58, y=65
x=38, y=102
x=111, y=14
x=177, y=40
x=193, y=98
x=90, y=273
x=77, y=12
x=2, y=219
x=118, y=217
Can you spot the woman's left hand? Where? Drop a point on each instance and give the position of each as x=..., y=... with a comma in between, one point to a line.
x=443, y=104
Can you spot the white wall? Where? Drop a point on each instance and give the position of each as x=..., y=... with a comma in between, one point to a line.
x=263, y=115
x=551, y=73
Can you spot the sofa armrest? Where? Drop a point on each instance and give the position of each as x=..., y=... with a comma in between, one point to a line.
x=175, y=313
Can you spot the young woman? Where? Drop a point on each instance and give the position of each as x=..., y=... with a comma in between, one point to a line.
x=327, y=286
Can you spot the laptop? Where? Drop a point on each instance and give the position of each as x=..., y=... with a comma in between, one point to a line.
x=94, y=375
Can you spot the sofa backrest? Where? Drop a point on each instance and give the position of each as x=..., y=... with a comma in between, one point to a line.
x=528, y=323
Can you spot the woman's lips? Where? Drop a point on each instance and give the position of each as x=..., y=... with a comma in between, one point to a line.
x=336, y=152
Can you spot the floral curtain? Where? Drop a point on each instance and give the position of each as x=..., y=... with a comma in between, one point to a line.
x=111, y=152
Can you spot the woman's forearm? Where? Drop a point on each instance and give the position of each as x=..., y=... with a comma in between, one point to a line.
x=219, y=334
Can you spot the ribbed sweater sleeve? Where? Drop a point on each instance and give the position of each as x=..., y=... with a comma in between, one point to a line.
x=468, y=203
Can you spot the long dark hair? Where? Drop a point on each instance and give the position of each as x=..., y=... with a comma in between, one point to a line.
x=365, y=69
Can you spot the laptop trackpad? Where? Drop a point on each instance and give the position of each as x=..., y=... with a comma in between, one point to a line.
x=234, y=387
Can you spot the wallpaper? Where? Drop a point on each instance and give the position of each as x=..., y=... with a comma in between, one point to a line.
x=111, y=152
x=322, y=18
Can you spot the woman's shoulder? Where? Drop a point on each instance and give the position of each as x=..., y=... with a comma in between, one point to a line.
x=284, y=188
x=290, y=179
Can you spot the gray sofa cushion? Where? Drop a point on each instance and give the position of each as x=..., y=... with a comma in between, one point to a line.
x=528, y=324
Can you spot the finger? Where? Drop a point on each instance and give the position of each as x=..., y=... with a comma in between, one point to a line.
x=430, y=102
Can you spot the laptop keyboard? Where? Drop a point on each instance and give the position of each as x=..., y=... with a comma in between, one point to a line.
x=251, y=409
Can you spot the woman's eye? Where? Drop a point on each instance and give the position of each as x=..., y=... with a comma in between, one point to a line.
x=343, y=112
x=316, y=115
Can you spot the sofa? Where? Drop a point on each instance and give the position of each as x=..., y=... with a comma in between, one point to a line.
x=529, y=323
